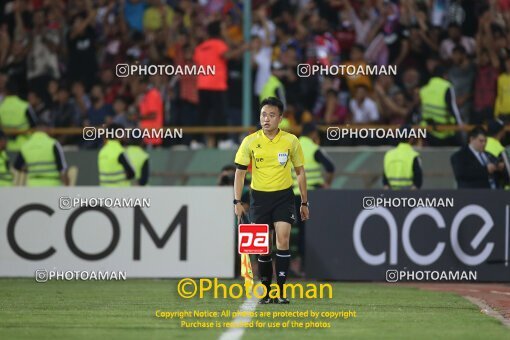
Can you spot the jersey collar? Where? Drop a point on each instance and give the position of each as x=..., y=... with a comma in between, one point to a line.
x=275, y=139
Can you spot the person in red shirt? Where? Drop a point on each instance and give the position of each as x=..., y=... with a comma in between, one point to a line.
x=212, y=89
x=151, y=110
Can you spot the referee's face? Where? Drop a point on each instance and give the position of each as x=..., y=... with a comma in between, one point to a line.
x=270, y=118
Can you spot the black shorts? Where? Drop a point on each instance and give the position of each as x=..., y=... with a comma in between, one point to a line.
x=268, y=207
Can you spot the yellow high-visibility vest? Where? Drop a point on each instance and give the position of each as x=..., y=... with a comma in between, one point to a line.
x=39, y=156
x=111, y=171
x=137, y=157
x=434, y=107
x=13, y=116
x=398, y=166
x=313, y=169
x=5, y=173
x=494, y=147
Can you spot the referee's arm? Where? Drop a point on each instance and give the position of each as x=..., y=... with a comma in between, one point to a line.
x=242, y=160
x=301, y=179
x=239, y=181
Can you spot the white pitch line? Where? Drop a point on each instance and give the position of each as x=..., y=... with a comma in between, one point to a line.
x=249, y=305
x=486, y=309
x=496, y=292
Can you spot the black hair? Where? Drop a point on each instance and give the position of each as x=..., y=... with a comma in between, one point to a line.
x=476, y=131
x=459, y=48
x=272, y=101
x=308, y=128
x=439, y=71
x=12, y=86
x=214, y=29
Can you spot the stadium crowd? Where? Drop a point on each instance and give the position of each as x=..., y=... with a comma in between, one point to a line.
x=61, y=56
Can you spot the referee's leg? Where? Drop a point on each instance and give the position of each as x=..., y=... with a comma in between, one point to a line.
x=282, y=230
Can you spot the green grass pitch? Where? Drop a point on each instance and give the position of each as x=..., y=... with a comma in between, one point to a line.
x=126, y=310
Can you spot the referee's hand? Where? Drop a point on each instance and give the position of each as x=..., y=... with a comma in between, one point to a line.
x=305, y=213
x=239, y=211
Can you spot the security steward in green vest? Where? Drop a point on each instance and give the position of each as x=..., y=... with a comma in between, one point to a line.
x=6, y=178
x=275, y=88
x=42, y=158
x=139, y=159
x=439, y=107
x=494, y=150
x=17, y=115
x=115, y=169
x=315, y=160
x=402, y=166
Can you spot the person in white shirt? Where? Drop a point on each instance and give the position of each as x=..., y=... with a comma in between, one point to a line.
x=363, y=109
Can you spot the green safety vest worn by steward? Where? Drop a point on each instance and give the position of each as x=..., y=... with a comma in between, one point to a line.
x=13, y=116
x=494, y=147
x=137, y=157
x=111, y=171
x=5, y=172
x=39, y=156
x=269, y=90
x=270, y=87
x=313, y=169
x=434, y=107
x=398, y=166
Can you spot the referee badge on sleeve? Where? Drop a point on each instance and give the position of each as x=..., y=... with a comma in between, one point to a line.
x=282, y=157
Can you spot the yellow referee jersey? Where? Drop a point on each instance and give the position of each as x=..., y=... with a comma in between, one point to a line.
x=272, y=160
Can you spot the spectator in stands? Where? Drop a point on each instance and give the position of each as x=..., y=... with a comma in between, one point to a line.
x=357, y=59
x=455, y=38
x=187, y=96
x=133, y=11
x=69, y=41
x=43, y=54
x=81, y=44
x=212, y=89
x=471, y=164
x=157, y=16
x=262, y=53
x=150, y=106
x=99, y=113
x=462, y=75
x=363, y=109
x=41, y=110
x=65, y=113
x=120, y=113
x=502, y=110
x=81, y=100
x=487, y=72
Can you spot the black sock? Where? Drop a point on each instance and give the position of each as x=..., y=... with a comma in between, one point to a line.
x=266, y=271
x=282, y=267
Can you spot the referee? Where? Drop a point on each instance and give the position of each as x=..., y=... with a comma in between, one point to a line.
x=271, y=150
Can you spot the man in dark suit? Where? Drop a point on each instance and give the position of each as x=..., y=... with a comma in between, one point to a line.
x=471, y=164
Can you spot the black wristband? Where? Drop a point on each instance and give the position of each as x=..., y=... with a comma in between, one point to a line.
x=305, y=204
x=237, y=201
